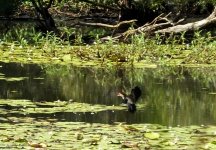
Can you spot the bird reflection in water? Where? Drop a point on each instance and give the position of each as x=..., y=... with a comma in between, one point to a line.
x=131, y=99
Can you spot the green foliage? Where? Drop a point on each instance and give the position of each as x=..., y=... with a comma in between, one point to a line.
x=141, y=51
x=174, y=6
x=24, y=36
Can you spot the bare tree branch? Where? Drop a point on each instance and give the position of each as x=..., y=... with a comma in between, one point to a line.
x=107, y=25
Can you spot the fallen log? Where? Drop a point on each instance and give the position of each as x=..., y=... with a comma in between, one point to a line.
x=192, y=26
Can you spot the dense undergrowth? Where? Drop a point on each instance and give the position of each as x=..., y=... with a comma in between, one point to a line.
x=27, y=45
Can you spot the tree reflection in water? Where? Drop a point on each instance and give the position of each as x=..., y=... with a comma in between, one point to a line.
x=173, y=95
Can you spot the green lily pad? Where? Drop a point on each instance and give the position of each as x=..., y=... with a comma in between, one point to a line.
x=115, y=141
x=79, y=135
x=28, y=106
x=66, y=58
x=152, y=135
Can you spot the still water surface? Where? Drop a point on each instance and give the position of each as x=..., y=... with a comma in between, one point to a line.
x=172, y=96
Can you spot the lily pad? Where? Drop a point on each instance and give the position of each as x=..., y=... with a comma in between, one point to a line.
x=66, y=58
x=28, y=106
x=79, y=135
x=152, y=135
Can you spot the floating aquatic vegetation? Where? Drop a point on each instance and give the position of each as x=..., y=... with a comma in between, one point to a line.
x=20, y=131
x=10, y=79
x=29, y=107
x=80, y=135
x=152, y=135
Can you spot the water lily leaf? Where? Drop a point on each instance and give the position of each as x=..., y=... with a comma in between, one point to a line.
x=169, y=143
x=66, y=58
x=51, y=104
x=152, y=135
x=210, y=146
x=115, y=141
x=130, y=128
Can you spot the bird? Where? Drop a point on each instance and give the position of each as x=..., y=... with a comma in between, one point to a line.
x=131, y=99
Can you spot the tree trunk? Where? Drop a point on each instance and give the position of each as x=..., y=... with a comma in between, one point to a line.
x=46, y=22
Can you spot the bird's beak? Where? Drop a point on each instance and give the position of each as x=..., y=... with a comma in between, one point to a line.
x=120, y=94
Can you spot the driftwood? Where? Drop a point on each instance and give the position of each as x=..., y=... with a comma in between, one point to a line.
x=162, y=24
x=191, y=26
x=148, y=28
x=169, y=27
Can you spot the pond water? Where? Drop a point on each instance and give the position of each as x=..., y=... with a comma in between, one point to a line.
x=171, y=96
